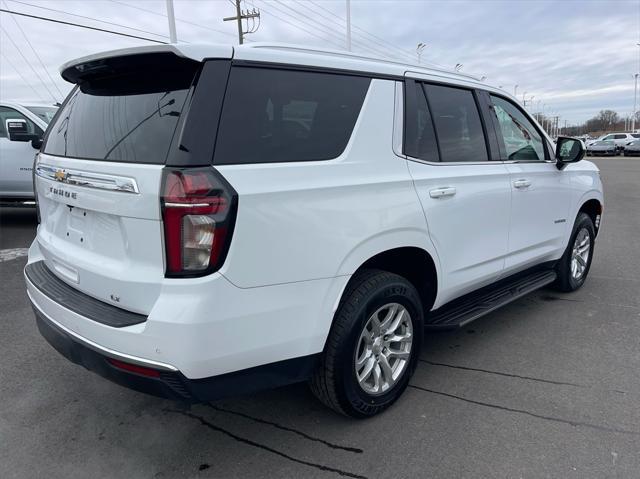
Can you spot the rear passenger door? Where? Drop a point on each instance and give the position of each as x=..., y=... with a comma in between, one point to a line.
x=464, y=194
x=541, y=193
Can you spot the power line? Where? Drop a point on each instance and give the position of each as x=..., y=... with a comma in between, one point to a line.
x=89, y=18
x=15, y=45
x=177, y=19
x=37, y=56
x=81, y=26
x=324, y=39
x=325, y=29
x=378, y=42
x=21, y=76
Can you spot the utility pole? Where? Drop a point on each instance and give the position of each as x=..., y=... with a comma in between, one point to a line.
x=173, y=37
x=348, y=25
x=240, y=15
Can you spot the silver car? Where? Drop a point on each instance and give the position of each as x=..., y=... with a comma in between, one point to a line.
x=632, y=149
x=602, y=148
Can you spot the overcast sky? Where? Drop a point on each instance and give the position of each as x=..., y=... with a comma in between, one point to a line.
x=577, y=57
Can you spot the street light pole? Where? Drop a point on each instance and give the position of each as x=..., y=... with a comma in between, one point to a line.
x=515, y=89
x=349, y=25
x=421, y=46
x=635, y=103
x=173, y=37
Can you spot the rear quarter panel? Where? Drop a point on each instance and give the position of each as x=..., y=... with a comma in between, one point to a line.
x=312, y=220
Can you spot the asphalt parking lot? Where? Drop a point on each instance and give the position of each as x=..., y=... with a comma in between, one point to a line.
x=547, y=387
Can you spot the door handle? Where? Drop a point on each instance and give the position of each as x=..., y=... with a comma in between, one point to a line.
x=522, y=183
x=442, y=192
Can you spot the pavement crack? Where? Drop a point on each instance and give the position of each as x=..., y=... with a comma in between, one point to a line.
x=258, y=445
x=528, y=413
x=509, y=375
x=558, y=298
x=355, y=450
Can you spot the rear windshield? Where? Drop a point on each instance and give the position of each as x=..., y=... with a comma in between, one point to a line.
x=273, y=115
x=126, y=112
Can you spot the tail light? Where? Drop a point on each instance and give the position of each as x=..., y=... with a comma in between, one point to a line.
x=198, y=211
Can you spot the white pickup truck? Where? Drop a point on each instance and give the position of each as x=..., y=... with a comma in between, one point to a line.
x=22, y=127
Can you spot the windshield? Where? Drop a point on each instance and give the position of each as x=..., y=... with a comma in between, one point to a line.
x=45, y=113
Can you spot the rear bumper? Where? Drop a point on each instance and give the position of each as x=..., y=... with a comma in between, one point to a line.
x=207, y=338
x=167, y=382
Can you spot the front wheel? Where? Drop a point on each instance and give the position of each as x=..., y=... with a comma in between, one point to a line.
x=373, y=346
x=573, y=267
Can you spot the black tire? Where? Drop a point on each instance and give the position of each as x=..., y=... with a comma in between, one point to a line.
x=566, y=281
x=334, y=381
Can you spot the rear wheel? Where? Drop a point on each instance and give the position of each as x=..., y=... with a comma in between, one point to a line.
x=373, y=345
x=573, y=267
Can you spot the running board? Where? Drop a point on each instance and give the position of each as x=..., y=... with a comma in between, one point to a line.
x=470, y=307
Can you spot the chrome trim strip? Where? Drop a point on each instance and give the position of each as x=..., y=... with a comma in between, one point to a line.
x=454, y=163
x=87, y=179
x=96, y=347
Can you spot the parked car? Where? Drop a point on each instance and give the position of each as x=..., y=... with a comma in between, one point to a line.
x=218, y=220
x=602, y=148
x=620, y=139
x=22, y=127
x=632, y=149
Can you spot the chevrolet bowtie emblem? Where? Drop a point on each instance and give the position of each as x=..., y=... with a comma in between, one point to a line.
x=60, y=175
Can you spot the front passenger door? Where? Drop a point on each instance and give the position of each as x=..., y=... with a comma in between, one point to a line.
x=541, y=194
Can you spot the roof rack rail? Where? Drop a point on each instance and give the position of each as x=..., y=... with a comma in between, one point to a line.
x=346, y=54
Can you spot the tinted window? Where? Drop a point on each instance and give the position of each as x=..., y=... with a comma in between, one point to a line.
x=521, y=140
x=619, y=137
x=635, y=135
x=420, y=140
x=128, y=115
x=457, y=124
x=274, y=115
x=7, y=113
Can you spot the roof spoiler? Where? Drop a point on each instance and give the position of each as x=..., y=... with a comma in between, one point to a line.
x=105, y=63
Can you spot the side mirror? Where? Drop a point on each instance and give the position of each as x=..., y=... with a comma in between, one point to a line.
x=18, y=130
x=568, y=150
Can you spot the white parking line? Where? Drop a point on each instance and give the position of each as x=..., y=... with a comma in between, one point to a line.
x=12, y=253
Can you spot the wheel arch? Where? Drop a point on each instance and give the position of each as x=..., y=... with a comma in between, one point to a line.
x=594, y=208
x=414, y=263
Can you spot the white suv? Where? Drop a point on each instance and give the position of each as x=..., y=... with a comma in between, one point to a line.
x=620, y=139
x=217, y=220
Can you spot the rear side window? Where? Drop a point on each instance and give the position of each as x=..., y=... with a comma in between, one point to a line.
x=620, y=137
x=457, y=124
x=127, y=111
x=272, y=116
x=420, y=136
